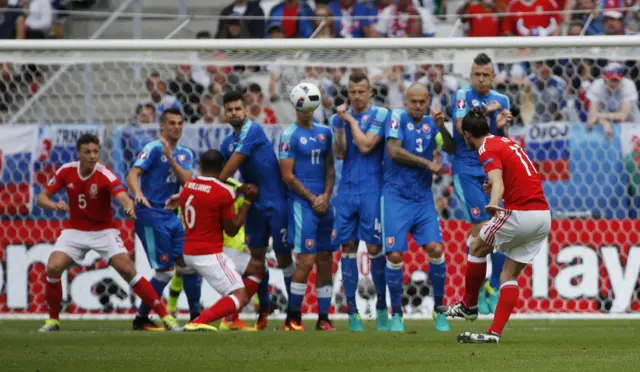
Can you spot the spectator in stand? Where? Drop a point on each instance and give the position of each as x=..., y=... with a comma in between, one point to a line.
x=575, y=28
x=252, y=28
x=145, y=114
x=548, y=92
x=632, y=21
x=404, y=19
x=234, y=28
x=210, y=110
x=355, y=20
x=328, y=30
x=612, y=99
x=440, y=92
x=274, y=31
x=12, y=26
x=187, y=91
x=531, y=18
x=285, y=14
x=480, y=18
x=258, y=112
x=161, y=100
x=587, y=9
x=39, y=18
x=613, y=23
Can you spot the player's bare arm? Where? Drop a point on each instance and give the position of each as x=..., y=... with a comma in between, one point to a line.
x=503, y=120
x=128, y=204
x=400, y=155
x=286, y=172
x=44, y=201
x=497, y=190
x=231, y=227
x=133, y=181
x=173, y=202
x=232, y=165
x=182, y=175
x=339, y=145
x=448, y=145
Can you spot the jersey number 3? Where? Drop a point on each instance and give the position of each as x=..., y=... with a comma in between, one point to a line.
x=189, y=213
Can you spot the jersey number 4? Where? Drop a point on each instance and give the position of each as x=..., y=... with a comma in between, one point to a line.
x=189, y=213
x=524, y=159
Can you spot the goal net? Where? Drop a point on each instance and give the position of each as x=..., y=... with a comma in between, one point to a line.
x=52, y=92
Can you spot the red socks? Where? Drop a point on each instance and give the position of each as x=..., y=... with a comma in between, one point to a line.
x=228, y=304
x=148, y=295
x=509, y=292
x=53, y=295
x=476, y=273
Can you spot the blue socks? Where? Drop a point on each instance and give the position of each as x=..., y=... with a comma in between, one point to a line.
x=158, y=282
x=288, y=274
x=297, y=295
x=192, y=284
x=497, y=261
x=378, y=264
x=349, y=265
x=324, y=299
x=263, y=292
x=438, y=276
x=394, y=279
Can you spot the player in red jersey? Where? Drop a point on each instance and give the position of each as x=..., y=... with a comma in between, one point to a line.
x=208, y=210
x=519, y=229
x=90, y=186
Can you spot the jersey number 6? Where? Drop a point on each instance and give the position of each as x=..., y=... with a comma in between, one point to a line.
x=189, y=213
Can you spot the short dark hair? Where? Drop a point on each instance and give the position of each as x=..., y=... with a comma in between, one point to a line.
x=169, y=111
x=211, y=161
x=482, y=59
x=358, y=76
x=255, y=88
x=145, y=105
x=475, y=122
x=86, y=139
x=154, y=74
x=232, y=96
x=203, y=35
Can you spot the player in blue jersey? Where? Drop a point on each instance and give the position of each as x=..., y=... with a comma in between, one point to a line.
x=158, y=172
x=468, y=175
x=249, y=150
x=407, y=205
x=306, y=166
x=358, y=141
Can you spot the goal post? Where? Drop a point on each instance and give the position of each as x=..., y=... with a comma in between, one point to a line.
x=53, y=91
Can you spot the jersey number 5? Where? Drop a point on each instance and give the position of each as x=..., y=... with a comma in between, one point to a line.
x=189, y=213
x=524, y=159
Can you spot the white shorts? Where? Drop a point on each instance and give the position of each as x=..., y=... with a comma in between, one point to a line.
x=239, y=259
x=519, y=234
x=218, y=270
x=76, y=244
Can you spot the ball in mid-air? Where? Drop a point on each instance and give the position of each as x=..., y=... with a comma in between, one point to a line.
x=305, y=97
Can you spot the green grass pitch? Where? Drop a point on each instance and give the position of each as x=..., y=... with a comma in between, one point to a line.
x=527, y=345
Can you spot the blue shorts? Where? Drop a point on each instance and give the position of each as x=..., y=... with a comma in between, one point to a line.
x=473, y=199
x=401, y=217
x=357, y=219
x=162, y=237
x=262, y=224
x=309, y=233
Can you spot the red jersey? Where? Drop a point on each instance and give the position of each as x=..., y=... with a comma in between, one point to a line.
x=522, y=185
x=205, y=203
x=529, y=13
x=484, y=22
x=89, y=197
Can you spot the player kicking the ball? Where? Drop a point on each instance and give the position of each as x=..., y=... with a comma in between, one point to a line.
x=519, y=229
x=90, y=186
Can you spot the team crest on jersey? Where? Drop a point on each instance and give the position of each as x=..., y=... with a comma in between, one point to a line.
x=475, y=103
x=322, y=137
x=163, y=158
x=394, y=124
x=163, y=258
x=182, y=158
x=309, y=243
x=390, y=241
x=284, y=146
x=334, y=234
x=365, y=118
x=93, y=191
x=142, y=155
x=475, y=212
x=426, y=128
x=303, y=140
x=461, y=104
x=231, y=147
x=410, y=126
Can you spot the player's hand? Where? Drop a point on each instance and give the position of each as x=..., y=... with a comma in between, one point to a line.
x=504, y=118
x=493, y=209
x=320, y=204
x=173, y=202
x=435, y=167
x=130, y=211
x=342, y=111
x=250, y=191
x=166, y=149
x=61, y=206
x=438, y=117
x=486, y=187
x=140, y=199
x=493, y=106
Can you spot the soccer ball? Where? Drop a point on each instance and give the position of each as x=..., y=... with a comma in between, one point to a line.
x=305, y=97
x=366, y=288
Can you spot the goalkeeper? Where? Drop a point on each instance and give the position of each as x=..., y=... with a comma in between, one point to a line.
x=236, y=249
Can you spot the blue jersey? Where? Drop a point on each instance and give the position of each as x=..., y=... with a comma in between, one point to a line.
x=158, y=181
x=261, y=165
x=353, y=28
x=310, y=149
x=465, y=160
x=362, y=174
x=412, y=183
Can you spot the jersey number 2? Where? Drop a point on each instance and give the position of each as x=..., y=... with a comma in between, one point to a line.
x=189, y=213
x=524, y=159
